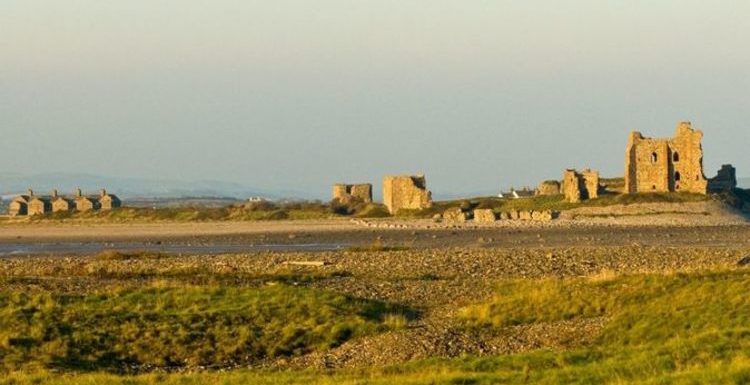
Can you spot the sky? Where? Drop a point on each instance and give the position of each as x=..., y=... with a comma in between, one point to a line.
x=297, y=95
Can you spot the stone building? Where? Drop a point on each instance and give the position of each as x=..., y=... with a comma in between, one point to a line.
x=666, y=165
x=108, y=201
x=84, y=203
x=406, y=192
x=60, y=203
x=579, y=186
x=346, y=193
x=19, y=206
x=39, y=205
x=725, y=179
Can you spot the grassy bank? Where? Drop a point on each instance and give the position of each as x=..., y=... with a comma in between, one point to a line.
x=688, y=328
x=555, y=203
x=173, y=326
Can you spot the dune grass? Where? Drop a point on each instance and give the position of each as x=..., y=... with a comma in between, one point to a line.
x=178, y=326
x=687, y=328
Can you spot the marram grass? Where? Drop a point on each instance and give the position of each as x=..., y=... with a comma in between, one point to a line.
x=660, y=329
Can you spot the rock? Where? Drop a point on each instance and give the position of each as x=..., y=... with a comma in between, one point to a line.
x=484, y=216
x=745, y=261
x=455, y=215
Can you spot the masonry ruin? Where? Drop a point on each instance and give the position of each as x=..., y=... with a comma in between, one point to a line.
x=666, y=165
x=580, y=186
x=725, y=179
x=347, y=193
x=548, y=188
x=406, y=192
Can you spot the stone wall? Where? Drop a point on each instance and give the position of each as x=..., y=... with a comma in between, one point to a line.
x=666, y=165
x=455, y=215
x=484, y=216
x=725, y=179
x=346, y=193
x=579, y=186
x=406, y=192
x=548, y=187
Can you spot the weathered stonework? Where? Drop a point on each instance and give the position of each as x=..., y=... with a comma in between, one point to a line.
x=548, y=187
x=666, y=165
x=60, y=203
x=406, y=192
x=346, y=193
x=455, y=214
x=108, y=201
x=31, y=204
x=578, y=186
x=484, y=216
x=725, y=179
x=542, y=216
x=39, y=206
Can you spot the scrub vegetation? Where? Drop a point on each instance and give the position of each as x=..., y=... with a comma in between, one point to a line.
x=680, y=328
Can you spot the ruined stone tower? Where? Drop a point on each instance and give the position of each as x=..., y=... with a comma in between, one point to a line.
x=346, y=193
x=406, y=192
x=664, y=165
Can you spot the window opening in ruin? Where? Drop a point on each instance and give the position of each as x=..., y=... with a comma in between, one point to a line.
x=677, y=176
x=676, y=157
x=653, y=187
x=653, y=157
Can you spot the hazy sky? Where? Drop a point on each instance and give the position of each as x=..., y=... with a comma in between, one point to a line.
x=299, y=94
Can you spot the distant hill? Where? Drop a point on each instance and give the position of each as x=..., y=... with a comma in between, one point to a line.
x=743, y=182
x=12, y=184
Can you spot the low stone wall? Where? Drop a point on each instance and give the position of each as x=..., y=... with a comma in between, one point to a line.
x=484, y=216
x=456, y=215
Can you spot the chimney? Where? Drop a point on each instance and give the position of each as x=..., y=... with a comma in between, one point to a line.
x=30, y=192
x=104, y=193
x=54, y=193
x=78, y=193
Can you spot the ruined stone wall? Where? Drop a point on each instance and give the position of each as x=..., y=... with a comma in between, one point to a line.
x=345, y=193
x=17, y=208
x=580, y=186
x=484, y=216
x=664, y=165
x=406, y=192
x=548, y=187
x=455, y=215
x=590, y=184
x=571, y=186
x=725, y=179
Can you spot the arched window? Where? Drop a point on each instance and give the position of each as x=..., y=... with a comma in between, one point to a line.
x=675, y=157
x=677, y=176
x=654, y=157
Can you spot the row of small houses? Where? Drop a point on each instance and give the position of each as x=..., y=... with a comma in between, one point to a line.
x=31, y=204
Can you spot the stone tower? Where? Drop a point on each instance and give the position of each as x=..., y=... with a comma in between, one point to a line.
x=666, y=165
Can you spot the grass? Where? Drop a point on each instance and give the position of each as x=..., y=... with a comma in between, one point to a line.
x=178, y=326
x=255, y=211
x=555, y=203
x=269, y=211
x=684, y=328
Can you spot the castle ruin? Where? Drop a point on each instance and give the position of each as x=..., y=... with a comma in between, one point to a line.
x=406, y=192
x=725, y=179
x=579, y=186
x=346, y=193
x=666, y=165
